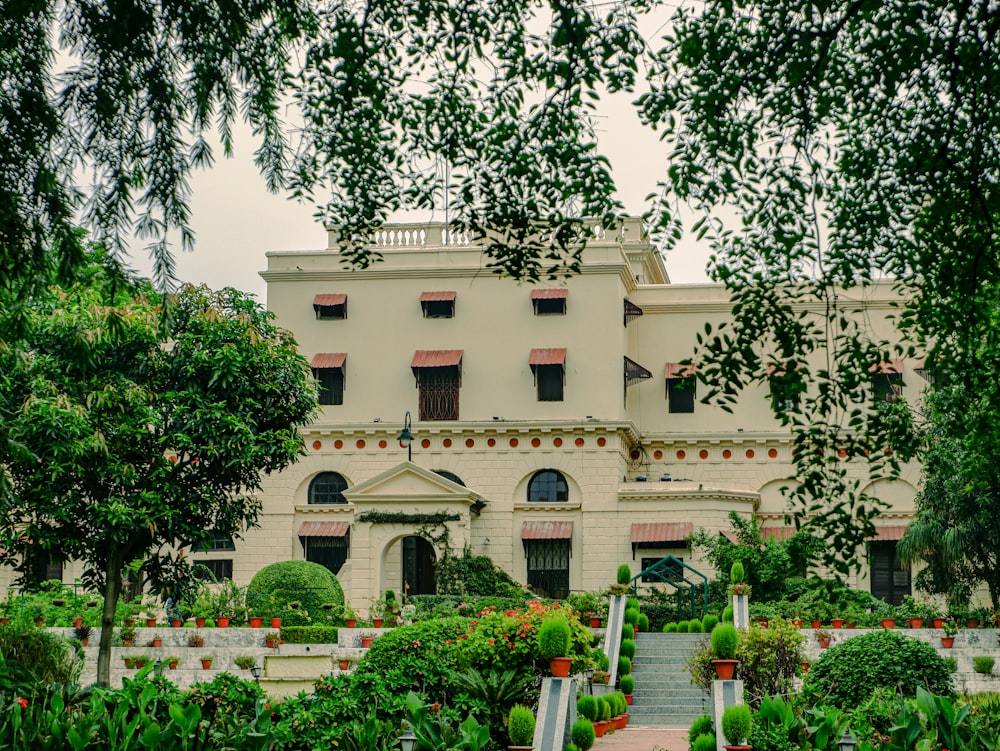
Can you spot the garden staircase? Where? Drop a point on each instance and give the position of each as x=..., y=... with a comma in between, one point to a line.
x=664, y=695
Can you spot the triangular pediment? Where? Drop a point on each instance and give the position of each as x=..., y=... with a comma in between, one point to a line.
x=408, y=483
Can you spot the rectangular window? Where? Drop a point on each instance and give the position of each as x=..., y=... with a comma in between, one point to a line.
x=213, y=569
x=681, y=394
x=549, y=302
x=439, y=389
x=330, y=552
x=219, y=542
x=890, y=578
x=784, y=394
x=438, y=304
x=331, y=385
x=548, y=567
x=888, y=387
x=550, y=382
x=330, y=307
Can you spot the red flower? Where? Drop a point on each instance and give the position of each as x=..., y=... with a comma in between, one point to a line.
x=22, y=701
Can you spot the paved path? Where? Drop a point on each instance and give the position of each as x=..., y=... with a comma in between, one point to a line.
x=644, y=739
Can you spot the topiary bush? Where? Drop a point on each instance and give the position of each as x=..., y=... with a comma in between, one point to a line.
x=710, y=622
x=554, y=637
x=586, y=706
x=703, y=742
x=643, y=622
x=670, y=628
x=520, y=726
x=701, y=726
x=725, y=639
x=603, y=708
x=682, y=627
x=631, y=616
x=582, y=734
x=627, y=648
x=624, y=574
x=393, y=659
x=727, y=614
x=628, y=684
x=695, y=627
x=632, y=602
x=736, y=724
x=624, y=665
x=628, y=631
x=736, y=573
x=849, y=672
x=275, y=587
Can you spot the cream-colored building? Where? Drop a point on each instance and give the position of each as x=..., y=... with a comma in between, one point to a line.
x=549, y=423
x=551, y=427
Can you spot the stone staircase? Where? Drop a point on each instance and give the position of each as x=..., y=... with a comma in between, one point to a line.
x=664, y=695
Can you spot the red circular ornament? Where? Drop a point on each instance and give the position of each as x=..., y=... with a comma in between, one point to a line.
x=513, y=443
x=750, y=454
x=703, y=453
x=361, y=443
x=338, y=444
x=580, y=442
x=382, y=444
x=317, y=445
x=727, y=454
x=469, y=443
x=536, y=442
x=491, y=442
x=426, y=443
x=557, y=442
x=602, y=441
x=681, y=454
x=773, y=453
x=657, y=454
x=446, y=443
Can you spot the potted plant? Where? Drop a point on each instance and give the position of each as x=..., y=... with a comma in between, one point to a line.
x=129, y=661
x=203, y=608
x=582, y=734
x=823, y=637
x=206, y=662
x=623, y=577
x=196, y=640
x=344, y=663
x=127, y=635
x=155, y=641
x=627, y=685
x=83, y=633
x=349, y=615
x=724, y=642
x=736, y=726
x=553, y=644
x=172, y=661
x=244, y=662
x=366, y=638
x=520, y=728
x=142, y=661
x=950, y=629
x=272, y=640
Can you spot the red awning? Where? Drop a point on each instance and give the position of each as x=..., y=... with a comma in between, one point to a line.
x=778, y=533
x=329, y=360
x=437, y=358
x=887, y=366
x=328, y=301
x=547, y=357
x=730, y=535
x=547, y=531
x=549, y=294
x=888, y=534
x=324, y=529
x=679, y=370
x=437, y=296
x=662, y=532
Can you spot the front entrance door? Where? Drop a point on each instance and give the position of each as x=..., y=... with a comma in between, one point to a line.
x=890, y=579
x=418, y=566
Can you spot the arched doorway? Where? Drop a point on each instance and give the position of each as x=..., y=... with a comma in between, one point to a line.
x=418, y=566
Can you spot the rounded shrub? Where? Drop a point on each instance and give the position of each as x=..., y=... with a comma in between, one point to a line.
x=586, y=706
x=631, y=616
x=682, y=627
x=393, y=661
x=582, y=734
x=621, y=706
x=624, y=665
x=694, y=626
x=727, y=614
x=520, y=726
x=670, y=628
x=983, y=665
x=603, y=708
x=627, y=648
x=554, y=637
x=703, y=742
x=632, y=602
x=736, y=573
x=570, y=747
x=628, y=631
x=624, y=575
x=848, y=673
x=725, y=640
x=643, y=622
x=603, y=663
x=736, y=724
x=710, y=623
x=275, y=586
x=628, y=684
x=701, y=726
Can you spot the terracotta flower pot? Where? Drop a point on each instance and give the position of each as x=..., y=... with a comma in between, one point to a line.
x=600, y=728
x=725, y=669
x=150, y=623
x=916, y=622
x=39, y=622
x=256, y=622
x=222, y=622
x=206, y=664
x=176, y=622
x=595, y=622
x=560, y=666
x=345, y=664
x=972, y=623
x=823, y=643
x=5, y=621
x=275, y=623
x=127, y=642
x=76, y=623
x=762, y=622
x=157, y=642
x=937, y=622
x=805, y=666
x=837, y=622
x=366, y=642
x=377, y=622
x=815, y=624
x=270, y=643
x=350, y=622
x=129, y=663
x=200, y=622
x=796, y=623
x=947, y=642
x=173, y=664
x=628, y=699
x=888, y=623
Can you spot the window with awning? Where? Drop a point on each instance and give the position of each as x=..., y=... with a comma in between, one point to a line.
x=681, y=387
x=549, y=301
x=330, y=307
x=325, y=543
x=328, y=368
x=438, y=304
x=549, y=369
x=439, y=379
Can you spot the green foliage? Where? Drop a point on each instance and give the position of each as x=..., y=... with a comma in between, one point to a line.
x=520, y=726
x=436, y=731
x=604, y=708
x=309, y=634
x=586, y=706
x=670, y=628
x=682, y=627
x=643, y=622
x=276, y=589
x=445, y=606
x=709, y=623
x=632, y=602
x=703, y=742
x=475, y=575
x=582, y=733
x=554, y=637
x=727, y=614
x=627, y=648
x=849, y=672
x=983, y=665
x=736, y=572
x=33, y=659
x=624, y=665
x=701, y=726
x=628, y=631
x=631, y=616
x=496, y=692
x=725, y=640
x=627, y=684
x=228, y=695
x=695, y=627
x=736, y=723
x=623, y=574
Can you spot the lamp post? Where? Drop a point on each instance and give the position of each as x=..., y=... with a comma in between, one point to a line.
x=408, y=741
x=255, y=671
x=847, y=741
x=406, y=437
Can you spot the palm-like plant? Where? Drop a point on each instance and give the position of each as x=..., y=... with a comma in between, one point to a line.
x=498, y=692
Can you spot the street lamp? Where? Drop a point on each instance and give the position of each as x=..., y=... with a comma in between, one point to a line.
x=406, y=438
x=255, y=671
x=847, y=741
x=408, y=741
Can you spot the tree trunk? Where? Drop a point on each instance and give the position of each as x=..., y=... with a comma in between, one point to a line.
x=112, y=591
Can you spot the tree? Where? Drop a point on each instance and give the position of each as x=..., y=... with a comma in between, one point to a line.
x=138, y=431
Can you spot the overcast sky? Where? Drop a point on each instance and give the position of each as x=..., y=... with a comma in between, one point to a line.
x=237, y=221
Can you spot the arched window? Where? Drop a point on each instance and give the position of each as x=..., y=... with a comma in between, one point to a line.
x=547, y=486
x=449, y=476
x=327, y=487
